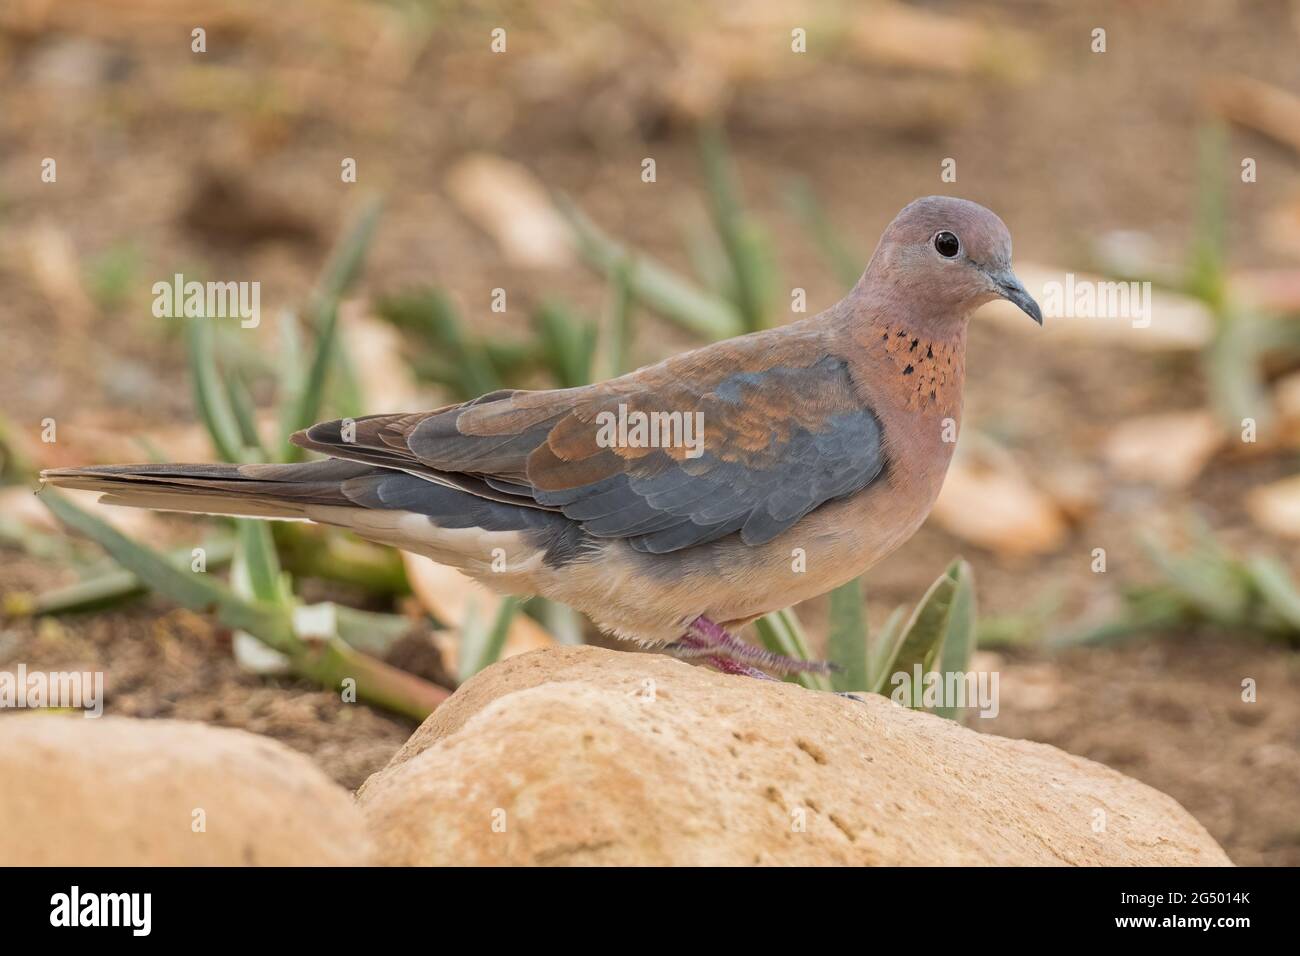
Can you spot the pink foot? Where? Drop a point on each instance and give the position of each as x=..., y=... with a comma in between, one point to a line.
x=715, y=644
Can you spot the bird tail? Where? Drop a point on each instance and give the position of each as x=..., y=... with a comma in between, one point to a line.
x=275, y=492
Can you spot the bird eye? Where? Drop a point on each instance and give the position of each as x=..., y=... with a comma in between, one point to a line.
x=946, y=244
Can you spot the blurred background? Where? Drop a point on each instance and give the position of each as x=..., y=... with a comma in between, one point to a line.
x=637, y=180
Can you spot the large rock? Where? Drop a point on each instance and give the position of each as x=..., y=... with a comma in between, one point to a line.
x=587, y=756
x=123, y=792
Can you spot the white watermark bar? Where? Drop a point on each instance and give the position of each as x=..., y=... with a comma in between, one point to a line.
x=640, y=429
x=208, y=300
x=21, y=689
x=1077, y=298
x=129, y=910
x=961, y=690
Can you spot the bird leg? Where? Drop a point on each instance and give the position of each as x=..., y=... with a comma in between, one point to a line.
x=729, y=645
x=706, y=639
x=690, y=647
x=729, y=666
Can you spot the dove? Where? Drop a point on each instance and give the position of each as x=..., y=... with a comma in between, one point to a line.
x=677, y=503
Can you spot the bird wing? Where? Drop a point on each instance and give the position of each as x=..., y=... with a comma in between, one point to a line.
x=783, y=432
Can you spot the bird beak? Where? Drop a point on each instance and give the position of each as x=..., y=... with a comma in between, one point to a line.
x=1008, y=286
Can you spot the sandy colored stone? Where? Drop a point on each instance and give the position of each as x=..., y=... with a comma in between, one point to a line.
x=118, y=791
x=592, y=756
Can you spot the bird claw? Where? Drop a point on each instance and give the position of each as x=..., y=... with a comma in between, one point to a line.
x=715, y=644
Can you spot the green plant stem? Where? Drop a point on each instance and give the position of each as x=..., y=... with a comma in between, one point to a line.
x=740, y=237
x=331, y=662
x=652, y=283
x=114, y=586
x=340, y=272
x=313, y=552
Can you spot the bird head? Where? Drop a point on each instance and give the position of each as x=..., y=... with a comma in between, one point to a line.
x=943, y=257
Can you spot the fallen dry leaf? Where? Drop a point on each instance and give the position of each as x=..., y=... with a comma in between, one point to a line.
x=1282, y=430
x=1031, y=687
x=507, y=202
x=54, y=267
x=1076, y=489
x=1168, y=449
x=988, y=501
x=1282, y=228
x=375, y=350
x=1176, y=322
x=896, y=34
x=1257, y=105
x=1269, y=290
x=1275, y=507
x=1286, y=398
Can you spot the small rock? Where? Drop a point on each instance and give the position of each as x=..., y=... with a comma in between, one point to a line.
x=581, y=755
x=122, y=792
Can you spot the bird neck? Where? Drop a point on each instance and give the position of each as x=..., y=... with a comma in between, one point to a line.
x=922, y=364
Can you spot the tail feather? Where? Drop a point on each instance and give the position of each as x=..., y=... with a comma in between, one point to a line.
x=254, y=490
x=452, y=525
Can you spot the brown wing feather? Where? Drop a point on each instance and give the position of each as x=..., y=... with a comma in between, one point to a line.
x=783, y=431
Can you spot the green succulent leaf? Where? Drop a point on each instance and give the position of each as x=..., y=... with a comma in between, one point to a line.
x=920, y=643
x=481, y=642
x=847, y=639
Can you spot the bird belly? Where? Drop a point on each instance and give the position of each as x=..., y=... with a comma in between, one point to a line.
x=651, y=598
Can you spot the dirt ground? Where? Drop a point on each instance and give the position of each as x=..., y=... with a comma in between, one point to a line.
x=230, y=166
x=1170, y=713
